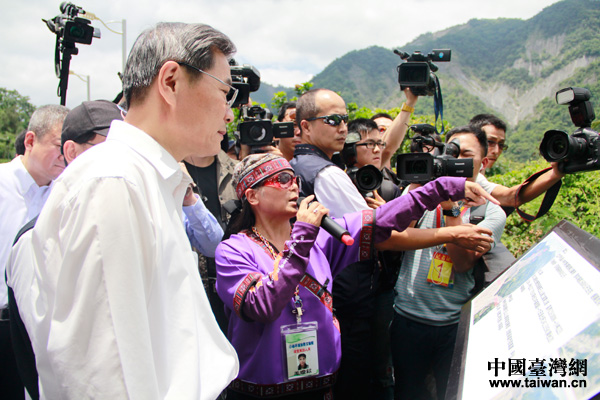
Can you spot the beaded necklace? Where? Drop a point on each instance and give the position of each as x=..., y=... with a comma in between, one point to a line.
x=265, y=242
x=296, y=298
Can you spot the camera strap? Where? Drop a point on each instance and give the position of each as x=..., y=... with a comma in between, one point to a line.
x=548, y=200
x=438, y=104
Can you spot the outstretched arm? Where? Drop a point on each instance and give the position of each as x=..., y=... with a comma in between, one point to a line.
x=508, y=195
x=397, y=130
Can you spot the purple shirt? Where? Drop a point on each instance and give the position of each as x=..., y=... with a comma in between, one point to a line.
x=258, y=290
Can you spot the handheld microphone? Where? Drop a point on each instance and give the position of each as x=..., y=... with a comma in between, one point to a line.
x=334, y=229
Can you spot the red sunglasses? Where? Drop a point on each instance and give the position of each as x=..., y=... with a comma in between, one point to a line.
x=283, y=180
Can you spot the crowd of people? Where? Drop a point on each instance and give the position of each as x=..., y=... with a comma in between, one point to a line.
x=146, y=259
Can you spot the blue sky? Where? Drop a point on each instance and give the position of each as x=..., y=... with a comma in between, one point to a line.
x=289, y=41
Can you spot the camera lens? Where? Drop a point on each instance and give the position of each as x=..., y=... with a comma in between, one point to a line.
x=368, y=178
x=558, y=146
x=416, y=167
x=555, y=145
x=257, y=133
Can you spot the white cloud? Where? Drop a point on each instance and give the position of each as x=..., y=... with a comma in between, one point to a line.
x=287, y=40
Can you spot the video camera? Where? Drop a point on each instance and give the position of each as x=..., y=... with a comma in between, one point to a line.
x=69, y=28
x=425, y=167
x=245, y=78
x=257, y=129
x=581, y=150
x=417, y=73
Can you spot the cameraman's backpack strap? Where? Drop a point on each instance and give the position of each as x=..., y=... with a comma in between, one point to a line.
x=548, y=200
x=438, y=104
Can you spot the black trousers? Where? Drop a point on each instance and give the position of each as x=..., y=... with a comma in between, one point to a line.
x=10, y=382
x=416, y=350
x=366, y=368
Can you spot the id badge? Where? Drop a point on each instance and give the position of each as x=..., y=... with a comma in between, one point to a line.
x=301, y=353
x=440, y=270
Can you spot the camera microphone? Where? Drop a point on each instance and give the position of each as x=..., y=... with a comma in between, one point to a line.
x=334, y=229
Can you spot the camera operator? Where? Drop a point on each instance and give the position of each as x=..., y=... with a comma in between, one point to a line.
x=365, y=310
x=394, y=134
x=287, y=113
x=515, y=196
x=429, y=297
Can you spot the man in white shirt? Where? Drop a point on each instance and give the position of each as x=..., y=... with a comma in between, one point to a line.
x=24, y=187
x=122, y=312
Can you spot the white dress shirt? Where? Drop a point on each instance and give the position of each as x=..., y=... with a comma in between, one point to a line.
x=121, y=311
x=335, y=190
x=21, y=199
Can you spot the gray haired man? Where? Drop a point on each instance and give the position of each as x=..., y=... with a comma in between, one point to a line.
x=122, y=310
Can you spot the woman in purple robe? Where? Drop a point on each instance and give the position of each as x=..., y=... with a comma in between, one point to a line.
x=275, y=278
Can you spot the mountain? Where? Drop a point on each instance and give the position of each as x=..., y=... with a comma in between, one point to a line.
x=509, y=67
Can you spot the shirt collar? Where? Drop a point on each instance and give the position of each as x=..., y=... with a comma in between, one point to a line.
x=25, y=181
x=145, y=145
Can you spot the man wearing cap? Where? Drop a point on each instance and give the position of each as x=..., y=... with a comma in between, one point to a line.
x=24, y=187
x=125, y=314
x=86, y=126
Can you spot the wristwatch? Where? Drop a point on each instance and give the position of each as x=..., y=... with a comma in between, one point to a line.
x=453, y=212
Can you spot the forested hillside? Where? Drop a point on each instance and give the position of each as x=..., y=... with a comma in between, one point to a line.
x=510, y=67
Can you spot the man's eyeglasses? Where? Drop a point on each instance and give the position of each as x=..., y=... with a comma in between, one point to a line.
x=283, y=180
x=231, y=95
x=333, y=119
x=493, y=143
x=371, y=145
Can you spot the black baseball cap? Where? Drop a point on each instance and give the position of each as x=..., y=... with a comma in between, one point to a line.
x=88, y=119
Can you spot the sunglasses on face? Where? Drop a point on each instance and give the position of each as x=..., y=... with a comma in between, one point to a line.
x=283, y=180
x=333, y=119
x=371, y=145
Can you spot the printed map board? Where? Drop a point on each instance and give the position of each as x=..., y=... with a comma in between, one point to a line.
x=534, y=333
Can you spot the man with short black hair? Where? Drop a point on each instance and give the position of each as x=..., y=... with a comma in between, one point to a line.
x=20, y=143
x=515, y=196
x=383, y=121
x=287, y=113
x=495, y=130
x=136, y=321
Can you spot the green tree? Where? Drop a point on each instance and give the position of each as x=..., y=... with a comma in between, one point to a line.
x=578, y=202
x=15, y=111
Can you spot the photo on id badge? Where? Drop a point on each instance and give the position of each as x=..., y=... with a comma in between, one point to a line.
x=301, y=350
